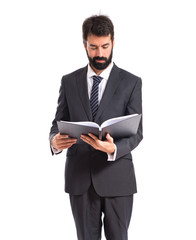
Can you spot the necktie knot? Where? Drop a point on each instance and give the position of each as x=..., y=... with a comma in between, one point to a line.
x=97, y=79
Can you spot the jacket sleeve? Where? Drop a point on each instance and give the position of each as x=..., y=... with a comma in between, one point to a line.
x=126, y=145
x=62, y=111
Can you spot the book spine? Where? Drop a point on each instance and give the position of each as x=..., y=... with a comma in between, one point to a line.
x=100, y=133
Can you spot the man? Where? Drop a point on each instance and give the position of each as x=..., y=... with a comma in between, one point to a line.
x=99, y=175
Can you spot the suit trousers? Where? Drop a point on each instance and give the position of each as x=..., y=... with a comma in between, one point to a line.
x=87, y=211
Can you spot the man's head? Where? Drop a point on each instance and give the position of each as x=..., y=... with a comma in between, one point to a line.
x=98, y=38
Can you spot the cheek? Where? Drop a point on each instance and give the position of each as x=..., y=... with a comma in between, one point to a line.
x=108, y=52
x=91, y=54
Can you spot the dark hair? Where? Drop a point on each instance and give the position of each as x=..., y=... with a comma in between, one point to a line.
x=99, y=25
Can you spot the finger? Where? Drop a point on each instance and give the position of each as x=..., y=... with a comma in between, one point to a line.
x=109, y=138
x=66, y=142
x=63, y=136
x=57, y=137
x=93, y=136
x=87, y=139
x=65, y=146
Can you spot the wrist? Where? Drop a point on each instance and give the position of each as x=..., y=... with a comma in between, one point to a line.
x=112, y=150
x=112, y=157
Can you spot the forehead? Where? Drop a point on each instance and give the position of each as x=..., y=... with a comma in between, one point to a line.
x=98, y=41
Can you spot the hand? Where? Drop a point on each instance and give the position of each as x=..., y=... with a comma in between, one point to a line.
x=60, y=142
x=104, y=146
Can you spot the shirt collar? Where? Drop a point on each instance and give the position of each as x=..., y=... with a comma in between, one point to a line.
x=105, y=74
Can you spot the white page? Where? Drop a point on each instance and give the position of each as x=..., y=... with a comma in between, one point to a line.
x=115, y=120
x=88, y=124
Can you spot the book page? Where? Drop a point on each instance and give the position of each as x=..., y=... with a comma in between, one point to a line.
x=115, y=120
x=122, y=127
x=86, y=123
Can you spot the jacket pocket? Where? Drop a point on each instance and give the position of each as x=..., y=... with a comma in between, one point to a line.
x=127, y=156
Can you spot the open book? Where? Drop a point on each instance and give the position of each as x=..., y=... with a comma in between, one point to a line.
x=118, y=127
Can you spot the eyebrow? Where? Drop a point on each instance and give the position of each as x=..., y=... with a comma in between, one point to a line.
x=104, y=45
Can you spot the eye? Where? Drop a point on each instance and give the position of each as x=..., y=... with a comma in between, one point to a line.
x=93, y=48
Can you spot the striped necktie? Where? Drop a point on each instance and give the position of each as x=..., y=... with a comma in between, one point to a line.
x=94, y=95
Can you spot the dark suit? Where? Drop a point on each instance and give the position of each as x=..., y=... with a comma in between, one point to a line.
x=84, y=165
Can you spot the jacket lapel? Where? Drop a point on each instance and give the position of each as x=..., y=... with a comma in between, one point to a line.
x=83, y=92
x=112, y=84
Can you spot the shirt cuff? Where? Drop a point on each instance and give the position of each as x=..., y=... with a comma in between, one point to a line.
x=55, y=151
x=112, y=157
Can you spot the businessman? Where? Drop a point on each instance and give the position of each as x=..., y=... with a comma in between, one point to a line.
x=99, y=174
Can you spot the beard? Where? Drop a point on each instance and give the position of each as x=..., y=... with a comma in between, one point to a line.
x=98, y=65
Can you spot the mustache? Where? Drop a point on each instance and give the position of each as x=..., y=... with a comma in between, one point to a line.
x=100, y=58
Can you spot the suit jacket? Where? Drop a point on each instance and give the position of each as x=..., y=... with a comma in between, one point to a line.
x=85, y=165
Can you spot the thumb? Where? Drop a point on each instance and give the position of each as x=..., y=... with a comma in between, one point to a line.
x=109, y=138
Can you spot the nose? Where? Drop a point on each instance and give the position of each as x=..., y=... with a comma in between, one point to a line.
x=99, y=52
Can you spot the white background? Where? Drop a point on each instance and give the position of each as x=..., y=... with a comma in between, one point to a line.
x=42, y=40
